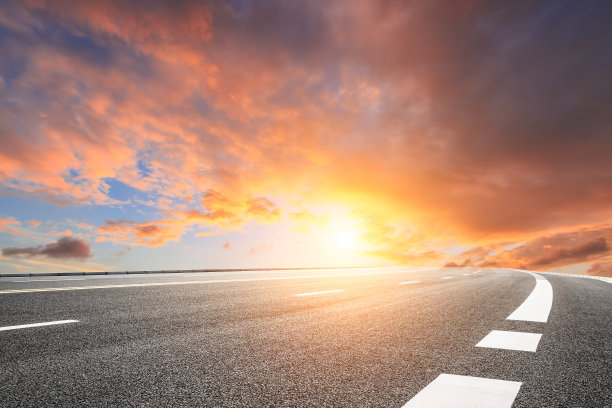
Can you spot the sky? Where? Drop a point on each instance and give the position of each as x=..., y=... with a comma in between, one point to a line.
x=150, y=135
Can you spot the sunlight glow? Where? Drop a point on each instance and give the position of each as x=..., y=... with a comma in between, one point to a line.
x=346, y=239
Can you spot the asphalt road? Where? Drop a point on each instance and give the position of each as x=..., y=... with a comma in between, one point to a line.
x=309, y=338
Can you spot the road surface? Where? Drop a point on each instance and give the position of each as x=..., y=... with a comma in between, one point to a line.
x=390, y=337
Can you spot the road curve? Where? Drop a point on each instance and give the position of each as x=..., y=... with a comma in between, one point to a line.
x=388, y=337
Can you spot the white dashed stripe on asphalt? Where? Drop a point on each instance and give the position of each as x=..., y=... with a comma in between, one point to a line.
x=406, y=283
x=510, y=340
x=536, y=307
x=458, y=391
x=27, y=326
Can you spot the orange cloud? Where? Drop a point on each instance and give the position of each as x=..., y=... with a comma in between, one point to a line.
x=574, y=247
x=4, y=222
x=263, y=210
x=151, y=234
x=149, y=27
x=280, y=101
x=11, y=226
x=34, y=223
x=231, y=213
x=222, y=212
x=304, y=221
x=601, y=269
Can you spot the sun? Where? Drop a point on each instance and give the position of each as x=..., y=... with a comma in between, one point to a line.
x=346, y=239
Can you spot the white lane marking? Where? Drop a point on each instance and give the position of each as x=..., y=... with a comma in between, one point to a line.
x=320, y=293
x=26, y=326
x=406, y=283
x=536, y=307
x=447, y=277
x=466, y=274
x=459, y=391
x=510, y=340
x=131, y=285
x=47, y=280
x=573, y=275
x=609, y=280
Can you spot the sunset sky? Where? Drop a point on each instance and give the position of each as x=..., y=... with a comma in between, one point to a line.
x=212, y=134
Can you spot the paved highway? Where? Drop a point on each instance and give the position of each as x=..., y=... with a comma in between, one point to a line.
x=389, y=337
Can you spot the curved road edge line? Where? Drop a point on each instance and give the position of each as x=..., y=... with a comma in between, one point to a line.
x=601, y=278
x=538, y=304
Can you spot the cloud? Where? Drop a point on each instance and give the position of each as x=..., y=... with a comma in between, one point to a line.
x=152, y=234
x=147, y=26
x=561, y=249
x=601, y=269
x=11, y=226
x=34, y=223
x=455, y=124
x=397, y=243
x=259, y=248
x=115, y=227
x=595, y=247
x=305, y=220
x=220, y=212
x=123, y=252
x=231, y=213
x=64, y=248
x=4, y=222
x=263, y=210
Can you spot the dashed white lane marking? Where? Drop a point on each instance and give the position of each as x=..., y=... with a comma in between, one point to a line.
x=466, y=274
x=510, y=340
x=458, y=391
x=406, y=283
x=536, y=307
x=47, y=280
x=320, y=293
x=447, y=277
x=27, y=326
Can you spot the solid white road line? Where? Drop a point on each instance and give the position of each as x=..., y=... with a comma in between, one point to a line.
x=26, y=326
x=536, y=307
x=133, y=285
x=320, y=293
x=458, y=391
x=46, y=280
x=510, y=340
x=573, y=275
x=447, y=277
x=406, y=283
